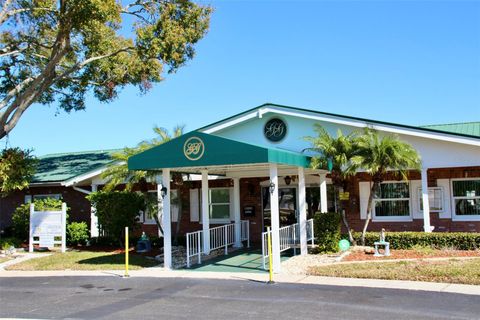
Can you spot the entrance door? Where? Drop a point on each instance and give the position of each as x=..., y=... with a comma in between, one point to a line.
x=287, y=199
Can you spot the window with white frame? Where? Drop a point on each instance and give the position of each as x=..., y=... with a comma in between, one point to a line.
x=147, y=218
x=219, y=199
x=55, y=196
x=466, y=197
x=435, y=199
x=392, y=200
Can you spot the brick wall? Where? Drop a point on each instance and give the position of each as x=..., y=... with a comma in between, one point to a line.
x=441, y=225
x=79, y=206
x=250, y=195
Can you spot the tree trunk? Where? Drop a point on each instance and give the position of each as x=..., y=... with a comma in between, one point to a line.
x=345, y=222
x=338, y=186
x=369, y=210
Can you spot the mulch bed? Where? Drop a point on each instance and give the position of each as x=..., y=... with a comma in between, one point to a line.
x=411, y=254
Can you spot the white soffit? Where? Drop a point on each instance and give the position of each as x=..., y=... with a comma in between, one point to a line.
x=344, y=121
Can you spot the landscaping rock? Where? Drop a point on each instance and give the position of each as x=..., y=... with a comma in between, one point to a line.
x=299, y=265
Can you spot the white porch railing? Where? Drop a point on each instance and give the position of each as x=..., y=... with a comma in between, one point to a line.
x=289, y=239
x=220, y=237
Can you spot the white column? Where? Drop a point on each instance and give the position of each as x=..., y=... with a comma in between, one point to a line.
x=426, y=202
x=205, y=213
x=167, y=226
x=302, y=205
x=275, y=219
x=323, y=193
x=236, y=212
x=93, y=217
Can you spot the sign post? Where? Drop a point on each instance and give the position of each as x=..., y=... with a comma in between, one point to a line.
x=270, y=260
x=126, y=253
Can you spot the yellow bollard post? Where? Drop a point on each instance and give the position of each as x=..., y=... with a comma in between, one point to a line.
x=126, y=252
x=270, y=260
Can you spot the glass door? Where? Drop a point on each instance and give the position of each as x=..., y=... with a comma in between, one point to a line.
x=287, y=199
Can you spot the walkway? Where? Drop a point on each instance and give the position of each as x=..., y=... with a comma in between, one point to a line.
x=238, y=261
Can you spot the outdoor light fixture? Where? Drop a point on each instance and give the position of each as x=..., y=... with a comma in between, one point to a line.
x=288, y=180
x=272, y=187
x=163, y=192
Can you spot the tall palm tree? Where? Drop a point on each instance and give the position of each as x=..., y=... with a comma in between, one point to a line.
x=380, y=156
x=338, y=151
x=117, y=173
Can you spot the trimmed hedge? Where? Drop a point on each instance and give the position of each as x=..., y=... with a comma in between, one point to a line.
x=327, y=231
x=437, y=240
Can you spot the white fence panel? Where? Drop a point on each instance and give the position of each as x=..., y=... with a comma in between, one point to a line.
x=289, y=239
x=220, y=237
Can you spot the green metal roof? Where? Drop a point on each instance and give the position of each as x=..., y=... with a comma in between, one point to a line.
x=466, y=128
x=462, y=133
x=60, y=167
x=196, y=149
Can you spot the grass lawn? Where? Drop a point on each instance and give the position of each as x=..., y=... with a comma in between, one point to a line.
x=450, y=271
x=84, y=260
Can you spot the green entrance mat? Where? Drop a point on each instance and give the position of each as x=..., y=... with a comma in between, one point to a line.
x=238, y=261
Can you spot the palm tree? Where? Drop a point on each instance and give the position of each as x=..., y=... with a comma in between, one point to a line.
x=338, y=151
x=380, y=156
x=118, y=174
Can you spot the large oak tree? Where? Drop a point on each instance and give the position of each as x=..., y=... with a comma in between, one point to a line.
x=59, y=50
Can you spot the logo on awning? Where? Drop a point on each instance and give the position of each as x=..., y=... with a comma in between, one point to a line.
x=193, y=148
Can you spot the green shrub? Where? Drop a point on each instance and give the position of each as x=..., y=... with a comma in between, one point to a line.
x=437, y=240
x=117, y=210
x=21, y=215
x=77, y=233
x=6, y=243
x=327, y=231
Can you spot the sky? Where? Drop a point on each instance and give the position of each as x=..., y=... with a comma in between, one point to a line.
x=409, y=62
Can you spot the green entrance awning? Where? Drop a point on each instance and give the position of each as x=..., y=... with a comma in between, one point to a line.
x=196, y=149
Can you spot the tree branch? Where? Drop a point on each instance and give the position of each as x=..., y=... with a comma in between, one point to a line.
x=4, y=12
x=83, y=63
x=19, y=87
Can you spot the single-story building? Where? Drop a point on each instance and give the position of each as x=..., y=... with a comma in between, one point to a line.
x=238, y=164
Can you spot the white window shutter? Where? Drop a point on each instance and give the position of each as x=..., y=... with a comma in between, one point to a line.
x=194, y=206
x=364, y=192
x=232, y=206
x=416, y=187
x=447, y=210
x=28, y=199
x=174, y=207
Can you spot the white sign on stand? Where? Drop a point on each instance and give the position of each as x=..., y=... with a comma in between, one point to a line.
x=47, y=227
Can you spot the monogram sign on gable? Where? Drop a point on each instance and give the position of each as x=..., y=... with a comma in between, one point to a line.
x=275, y=129
x=193, y=148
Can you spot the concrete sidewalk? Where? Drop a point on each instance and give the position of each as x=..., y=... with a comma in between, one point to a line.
x=281, y=278
x=21, y=258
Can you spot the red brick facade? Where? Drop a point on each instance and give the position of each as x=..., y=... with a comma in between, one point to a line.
x=79, y=206
x=251, y=195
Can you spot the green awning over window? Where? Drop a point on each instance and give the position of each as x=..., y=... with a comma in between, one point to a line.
x=196, y=149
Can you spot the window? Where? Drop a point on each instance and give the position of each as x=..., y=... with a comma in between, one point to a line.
x=466, y=196
x=435, y=199
x=313, y=199
x=47, y=196
x=392, y=200
x=219, y=204
x=147, y=218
